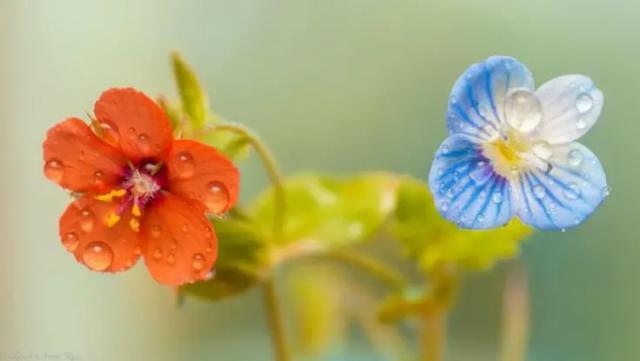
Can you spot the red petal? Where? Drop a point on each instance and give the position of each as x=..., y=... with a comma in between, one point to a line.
x=76, y=159
x=84, y=232
x=135, y=121
x=180, y=244
x=200, y=172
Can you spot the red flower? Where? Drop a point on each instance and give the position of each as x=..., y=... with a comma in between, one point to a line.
x=143, y=192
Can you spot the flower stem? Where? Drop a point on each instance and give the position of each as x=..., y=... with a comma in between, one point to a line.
x=270, y=166
x=272, y=306
x=372, y=266
x=275, y=321
x=433, y=335
x=515, y=315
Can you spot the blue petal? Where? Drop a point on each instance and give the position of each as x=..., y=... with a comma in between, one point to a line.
x=565, y=195
x=465, y=187
x=476, y=104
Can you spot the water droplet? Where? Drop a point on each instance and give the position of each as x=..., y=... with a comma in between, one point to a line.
x=132, y=130
x=98, y=256
x=576, y=220
x=523, y=110
x=171, y=259
x=584, y=102
x=480, y=218
x=70, y=241
x=498, y=198
x=209, y=248
x=440, y=171
x=444, y=206
x=552, y=207
x=198, y=261
x=129, y=262
x=87, y=220
x=157, y=254
x=572, y=192
x=581, y=124
x=143, y=137
x=542, y=150
x=137, y=251
x=605, y=192
x=454, y=100
x=539, y=192
x=445, y=148
x=156, y=231
x=450, y=193
x=218, y=198
x=185, y=164
x=98, y=175
x=575, y=157
x=173, y=244
x=54, y=170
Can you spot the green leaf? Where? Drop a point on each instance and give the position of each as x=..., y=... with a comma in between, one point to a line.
x=327, y=212
x=434, y=241
x=172, y=112
x=233, y=145
x=243, y=259
x=315, y=300
x=193, y=97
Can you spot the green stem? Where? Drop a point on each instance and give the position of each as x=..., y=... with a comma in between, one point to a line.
x=515, y=315
x=433, y=338
x=275, y=320
x=272, y=306
x=270, y=166
x=372, y=266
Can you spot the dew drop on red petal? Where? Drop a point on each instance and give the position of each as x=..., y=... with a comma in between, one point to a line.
x=70, y=241
x=198, y=261
x=87, y=220
x=157, y=254
x=185, y=164
x=137, y=251
x=98, y=256
x=171, y=259
x=54, y=170
x=218, y=198
x=156, y=231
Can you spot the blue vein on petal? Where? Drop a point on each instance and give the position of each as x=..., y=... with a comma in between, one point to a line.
x=490, y=92
x=499, y=207
x=487, y=200
x=550, y=193
x=471, y=200
x=540, y=202
x=578, y=175
x=474, y=105
x=524, y=194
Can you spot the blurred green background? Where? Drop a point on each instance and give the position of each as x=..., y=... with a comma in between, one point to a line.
x=335, y=85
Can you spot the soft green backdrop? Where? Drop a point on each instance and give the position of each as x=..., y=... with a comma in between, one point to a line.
x=336, y=85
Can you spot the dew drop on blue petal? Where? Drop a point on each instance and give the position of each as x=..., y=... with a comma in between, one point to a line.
x=480, y=218
x=542, y=150
x=581, y=124
x=572, y=192
x=498, y=198
x=444, y=205
x=539, y=192
x=584, y=102
x=575, y=157
x=523, y=110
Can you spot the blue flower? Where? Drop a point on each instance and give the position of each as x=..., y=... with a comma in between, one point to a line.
x=511, y=149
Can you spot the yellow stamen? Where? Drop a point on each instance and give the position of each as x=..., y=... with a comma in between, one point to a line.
x=134, y=224
x=108, y=197
x=135, y=210
x=112, y=219
x=508, y=152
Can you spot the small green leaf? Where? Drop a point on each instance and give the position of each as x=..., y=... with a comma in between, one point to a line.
x=193, y=97
x=172, y=112
x=315, y=299
x=330, y=212
x=243, y=259
x=434, y=241
x=233, y=145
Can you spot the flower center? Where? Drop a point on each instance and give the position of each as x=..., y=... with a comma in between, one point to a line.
x=140, y=185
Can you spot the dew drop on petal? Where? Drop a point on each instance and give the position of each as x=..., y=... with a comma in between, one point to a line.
x=584, y=102
x=185, y=164
x=444, y=206
x=156, y=231
x=539, y=192
x=171, y=259
x=445, y=148
x=575, y=157
x=576, y=220
x=70, y=241
x=572, y=192
x=87, y=220
x=98, y=175
x=54, y=170
x=480, y=218
x=198, y=261
x=542, y=150
x=137, y=251
x=498, y=198
x=157, y=254
x=581, y=124
x=523, y=110
x=98, y=256
x=218, y=198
